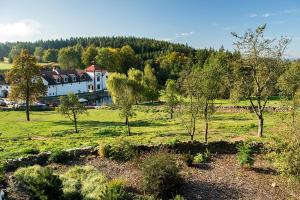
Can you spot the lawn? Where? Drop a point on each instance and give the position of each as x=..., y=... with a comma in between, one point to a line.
x=48, y=130
x=5, y=66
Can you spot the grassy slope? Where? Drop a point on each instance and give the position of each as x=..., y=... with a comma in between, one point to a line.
x=150, y=126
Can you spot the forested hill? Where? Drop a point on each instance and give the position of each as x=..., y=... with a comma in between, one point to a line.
x=144, y=47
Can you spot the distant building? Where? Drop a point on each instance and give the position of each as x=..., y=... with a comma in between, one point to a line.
x=62, y=82
x=4, y=87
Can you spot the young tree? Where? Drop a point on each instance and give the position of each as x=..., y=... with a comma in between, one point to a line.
x=258, y=69
x=121, y=90
x=89, y=55
x=71, y=108
x=212, y=81
x=289, y=85
x=150, y=84
x=25, y=80
x=170, y=95
x=50, y=55
x=192, y=108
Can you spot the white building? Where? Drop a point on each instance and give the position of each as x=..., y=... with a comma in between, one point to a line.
x=62, y=82
x=4, y=87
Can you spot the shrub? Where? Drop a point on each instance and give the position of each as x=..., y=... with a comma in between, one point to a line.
x=174, y=142
x=188, y=159
x=122, y=151
x=83, y=182
x=31, y=151
x=161, y=175
x=39, y=182
x=116, y=190
x=202, y=157
x=2, y=172
x=59, y=156
x=245, y=155
x=284, y=152
x=178, y=197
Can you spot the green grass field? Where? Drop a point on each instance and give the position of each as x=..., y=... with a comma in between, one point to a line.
x=5, y=66
x=48, y=130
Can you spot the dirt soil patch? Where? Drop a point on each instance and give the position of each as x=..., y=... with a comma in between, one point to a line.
x=222, y=178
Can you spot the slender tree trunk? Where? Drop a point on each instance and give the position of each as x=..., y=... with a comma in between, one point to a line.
x=260, y=125
x=128, y=127
x=27, y=103
x=171, y=113
x=126, y=120
x=192, y=137
x=206, y=121
x=75, y=123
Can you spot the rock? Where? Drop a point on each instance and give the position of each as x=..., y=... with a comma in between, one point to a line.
x=274, y=185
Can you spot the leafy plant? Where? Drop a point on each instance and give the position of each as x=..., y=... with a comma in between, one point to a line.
x=178, y=197
x=161, y=175
x=84, y=182
x=121, y=151
x=202, y=157
x=245, y=155
x=115, y=190
x=39, y=182
x=59, y=156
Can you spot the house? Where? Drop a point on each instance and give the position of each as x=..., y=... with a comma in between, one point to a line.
x=62, y=82
x=4, y=87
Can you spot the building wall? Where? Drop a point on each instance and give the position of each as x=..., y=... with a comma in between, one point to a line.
x=66, y=88
x=3, y=89
x=100, y=82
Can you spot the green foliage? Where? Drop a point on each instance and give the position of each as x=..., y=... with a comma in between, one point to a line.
x=245, y=155
x=85, y=181
x=69, y=58
x=71, y=108
x=2, y=172
x=170, y=95
x=178, y=197
x=161, y=175
x=284, y=151
x=38, y=53
x=39, y=182
x=199, y=158
x=151, y=92
x=188, y=159
x=59, y=156
x=115, y=190
x=121, y=151
x=50, y=55
x=89, y=55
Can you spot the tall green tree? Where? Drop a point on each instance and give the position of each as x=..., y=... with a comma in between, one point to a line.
x=170, y=96
x=69, y=58
x=257, y=71
x=121, y=90
x=109, y=58
x=38, y=53
x=289, y=85
x=25, y=80
x=128, y=58
x=136, y=80
x=89, y=55
x=50, y=55
x=71, y=107
x=150, y=84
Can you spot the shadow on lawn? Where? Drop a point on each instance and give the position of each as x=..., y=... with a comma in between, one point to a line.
x=209, y=191
x=90, y=123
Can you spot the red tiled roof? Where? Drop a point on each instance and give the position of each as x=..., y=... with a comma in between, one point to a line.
x=93, y=68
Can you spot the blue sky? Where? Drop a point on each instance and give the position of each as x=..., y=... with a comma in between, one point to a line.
x=199, y=23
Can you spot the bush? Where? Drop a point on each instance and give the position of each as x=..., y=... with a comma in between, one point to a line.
x=59, y=156
x=161, y=175
x=39, y=182
x=116, y=190
x=178, y=197
x=202, y=157
x=83, y=182
x=31, y=151
x=122, y=151
x=284, y=152
x=188, y=159
x=245, y=155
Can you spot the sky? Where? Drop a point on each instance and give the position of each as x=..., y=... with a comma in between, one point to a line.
x=199, y=23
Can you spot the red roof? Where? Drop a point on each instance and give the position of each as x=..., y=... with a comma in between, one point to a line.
x=93, y=68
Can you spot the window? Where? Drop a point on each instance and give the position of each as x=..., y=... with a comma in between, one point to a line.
x=98, y=87
x=57, y=80
x=74, y=78
x=98, y=78
x=66, y=79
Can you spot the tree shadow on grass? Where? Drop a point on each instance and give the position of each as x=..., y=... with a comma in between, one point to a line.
x=233, y=118
x=209, y=191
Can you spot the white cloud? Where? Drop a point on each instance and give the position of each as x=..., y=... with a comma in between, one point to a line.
x=20, y=30
x=253, y=15
x=267, y=14
x=184, y=34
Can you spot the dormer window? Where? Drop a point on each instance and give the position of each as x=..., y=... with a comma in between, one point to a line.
x=66, y=79
x=74, y=78
x=57, y=80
